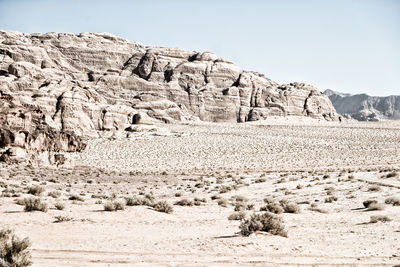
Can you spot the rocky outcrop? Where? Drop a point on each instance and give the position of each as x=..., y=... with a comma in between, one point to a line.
x=363, y=107
x=25, y=134
x=90, y=84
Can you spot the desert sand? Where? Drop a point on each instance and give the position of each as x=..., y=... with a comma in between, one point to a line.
x=328, y=168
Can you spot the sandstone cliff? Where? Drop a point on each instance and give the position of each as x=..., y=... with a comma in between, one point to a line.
x=363, y=107
x=86, y=84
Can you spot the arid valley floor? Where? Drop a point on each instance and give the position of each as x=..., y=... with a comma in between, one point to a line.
x=205, y=171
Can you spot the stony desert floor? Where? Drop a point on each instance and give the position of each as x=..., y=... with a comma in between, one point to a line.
x=205, y=172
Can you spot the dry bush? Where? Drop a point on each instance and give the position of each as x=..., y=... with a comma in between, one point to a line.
x=54, y=194
x=14, y=251
x=374, y=188
x=139, y=201
x=240, y=206
x=395, y=201
x=379, y=218
x=260, y=180
x=224, y=189
x=35, y=190
x=369, y=202
x=290, y=207
x=331, y=199
x=61, y=218
x=214, y=197
x=237, y=216
x=59, y=206
x=163, y=206
x=222, y=202
x=272, y=207
x=35, y=204
x=266, y=222
x=184, y=202
x=76, y=197
x=114, y=205
x=392, y=174
x=268, y=200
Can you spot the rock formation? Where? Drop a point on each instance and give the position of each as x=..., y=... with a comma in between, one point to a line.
x=363, y=107
x=76, y=85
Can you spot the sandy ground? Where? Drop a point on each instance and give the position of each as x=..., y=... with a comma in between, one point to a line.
x=304, y=162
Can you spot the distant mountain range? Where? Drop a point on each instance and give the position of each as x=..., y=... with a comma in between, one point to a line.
x=363, y=107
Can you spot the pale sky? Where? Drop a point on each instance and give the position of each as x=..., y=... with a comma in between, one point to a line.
x=351, y=46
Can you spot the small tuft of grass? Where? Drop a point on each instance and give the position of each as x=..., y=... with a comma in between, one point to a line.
x=374, y=188
x=379, y=218
x=62, y=218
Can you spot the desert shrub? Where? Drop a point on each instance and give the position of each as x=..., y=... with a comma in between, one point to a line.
x=266, y=222
x=163, y=206
x=222, y=202
x=35, y=190
x=14, y=251
x=59, y=206
x=139, y=201
x=368, y=202
x=54, y=194
x=240, y=206
x=203, y=200
x=375, y=206
x=100, y=196
x=250, y=207
x=268, y=200
x=76, y=197
x=184, y=202
x=374, y=188
x=331, y=199
x=299, y=186
x=178, y=194
x=260, y=180
x=379, y=218
x=240, y=198
x=224, y=189
x=272, y=207
x=214, y=197
x=35, y=204
x=395, y=201
x=290, y=207
x=237, y=216
x=114, y=205
x=392, y=174
x=61, y=218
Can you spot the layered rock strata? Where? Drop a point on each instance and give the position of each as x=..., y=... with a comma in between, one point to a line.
x=87, y=84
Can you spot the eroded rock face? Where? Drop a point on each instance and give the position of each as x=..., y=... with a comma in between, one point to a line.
x=363, y=107
x=85, y=84
x=24, y=134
